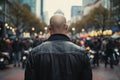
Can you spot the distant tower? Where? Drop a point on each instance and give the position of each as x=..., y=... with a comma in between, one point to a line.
x=75, y=13
x=42, y=13
x=36, y=7
x=86, y=2
x=59, y=12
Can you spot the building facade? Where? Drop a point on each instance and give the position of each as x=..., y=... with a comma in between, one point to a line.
x=2, y=10
x=86, y=2
x=75, y=13
x=2, y=18
x=31, y=4
x=115, y=11
x=36, y=7
x=106, y=4
x=59, y=11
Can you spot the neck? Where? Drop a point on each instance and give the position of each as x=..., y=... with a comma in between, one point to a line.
x=52, y=33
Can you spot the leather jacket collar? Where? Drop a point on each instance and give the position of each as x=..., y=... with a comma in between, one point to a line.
x=61, y=37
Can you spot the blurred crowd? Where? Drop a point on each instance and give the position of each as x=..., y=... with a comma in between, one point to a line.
x=104, y=48
x=17, y=46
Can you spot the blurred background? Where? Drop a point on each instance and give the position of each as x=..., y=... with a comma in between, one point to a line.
x=23, y=18
x=23, y=26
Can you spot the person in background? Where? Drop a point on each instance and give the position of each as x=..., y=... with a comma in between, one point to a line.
x=9, y=49
x=58, y=58
x=37, y=41
x=109, y=52
x=3, y=45
x=16, y=49
x=97, y=48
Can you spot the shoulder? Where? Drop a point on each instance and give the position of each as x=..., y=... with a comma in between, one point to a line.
x=66, y=46
x=76, y=47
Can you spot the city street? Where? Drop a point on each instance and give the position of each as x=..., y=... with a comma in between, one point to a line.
x=99, y=73
x=56, y=35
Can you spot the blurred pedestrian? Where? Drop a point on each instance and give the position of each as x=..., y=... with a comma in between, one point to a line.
x=16, y=52
x=9, y=49
x=37, y=41
x=109, y=52
x=89, y=43
x=58, y=58
x=28, y=44
x=82, y=42
x=97, y=48
x=3, y=45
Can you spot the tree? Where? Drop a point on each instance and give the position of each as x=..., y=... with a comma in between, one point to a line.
x=96, y=19
x=115, y=11
x=100, y=17
x=21, y=18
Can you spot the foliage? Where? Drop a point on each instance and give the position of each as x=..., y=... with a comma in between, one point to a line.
x=115, y=11
x=96, y=19
x=20, y=17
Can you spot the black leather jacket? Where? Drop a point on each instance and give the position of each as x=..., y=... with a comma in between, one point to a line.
x=58, y=59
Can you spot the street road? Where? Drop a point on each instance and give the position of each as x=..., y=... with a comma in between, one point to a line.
x=99, y=73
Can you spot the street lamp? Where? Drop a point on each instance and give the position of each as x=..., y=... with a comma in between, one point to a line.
x=10, y=28
x=104, y=33
x=83, y=30
x=41, y=33
x=45, y=28
x=13, y=30
x=6, y=24
x=73, y=29
x=33, y=29
x=7, y=27
x=109, y=32
x=95, y=34
x=73, y=33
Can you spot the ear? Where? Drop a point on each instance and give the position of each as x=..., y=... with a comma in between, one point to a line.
x=49, y=27
x=66, y=27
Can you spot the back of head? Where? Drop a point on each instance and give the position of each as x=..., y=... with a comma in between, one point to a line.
x=58, y=24
x=57, y=20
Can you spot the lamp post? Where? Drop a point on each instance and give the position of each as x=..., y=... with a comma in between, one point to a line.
x=33, y=29
x=41, y=32
x=83, y=30
x=73, y=29
x=6, y=24
x=73, y=33
x=45, y=28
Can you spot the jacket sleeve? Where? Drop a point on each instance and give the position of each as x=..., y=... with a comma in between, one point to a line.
x=87, y=70
x=29, y=70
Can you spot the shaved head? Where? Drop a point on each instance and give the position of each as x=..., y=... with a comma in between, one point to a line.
x=58, y=24
x=57, y=20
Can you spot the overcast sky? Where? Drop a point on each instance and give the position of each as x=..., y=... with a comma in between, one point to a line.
x=65, y=5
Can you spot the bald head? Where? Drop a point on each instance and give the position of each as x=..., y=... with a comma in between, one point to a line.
x=58, y=23
x=57, y=20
